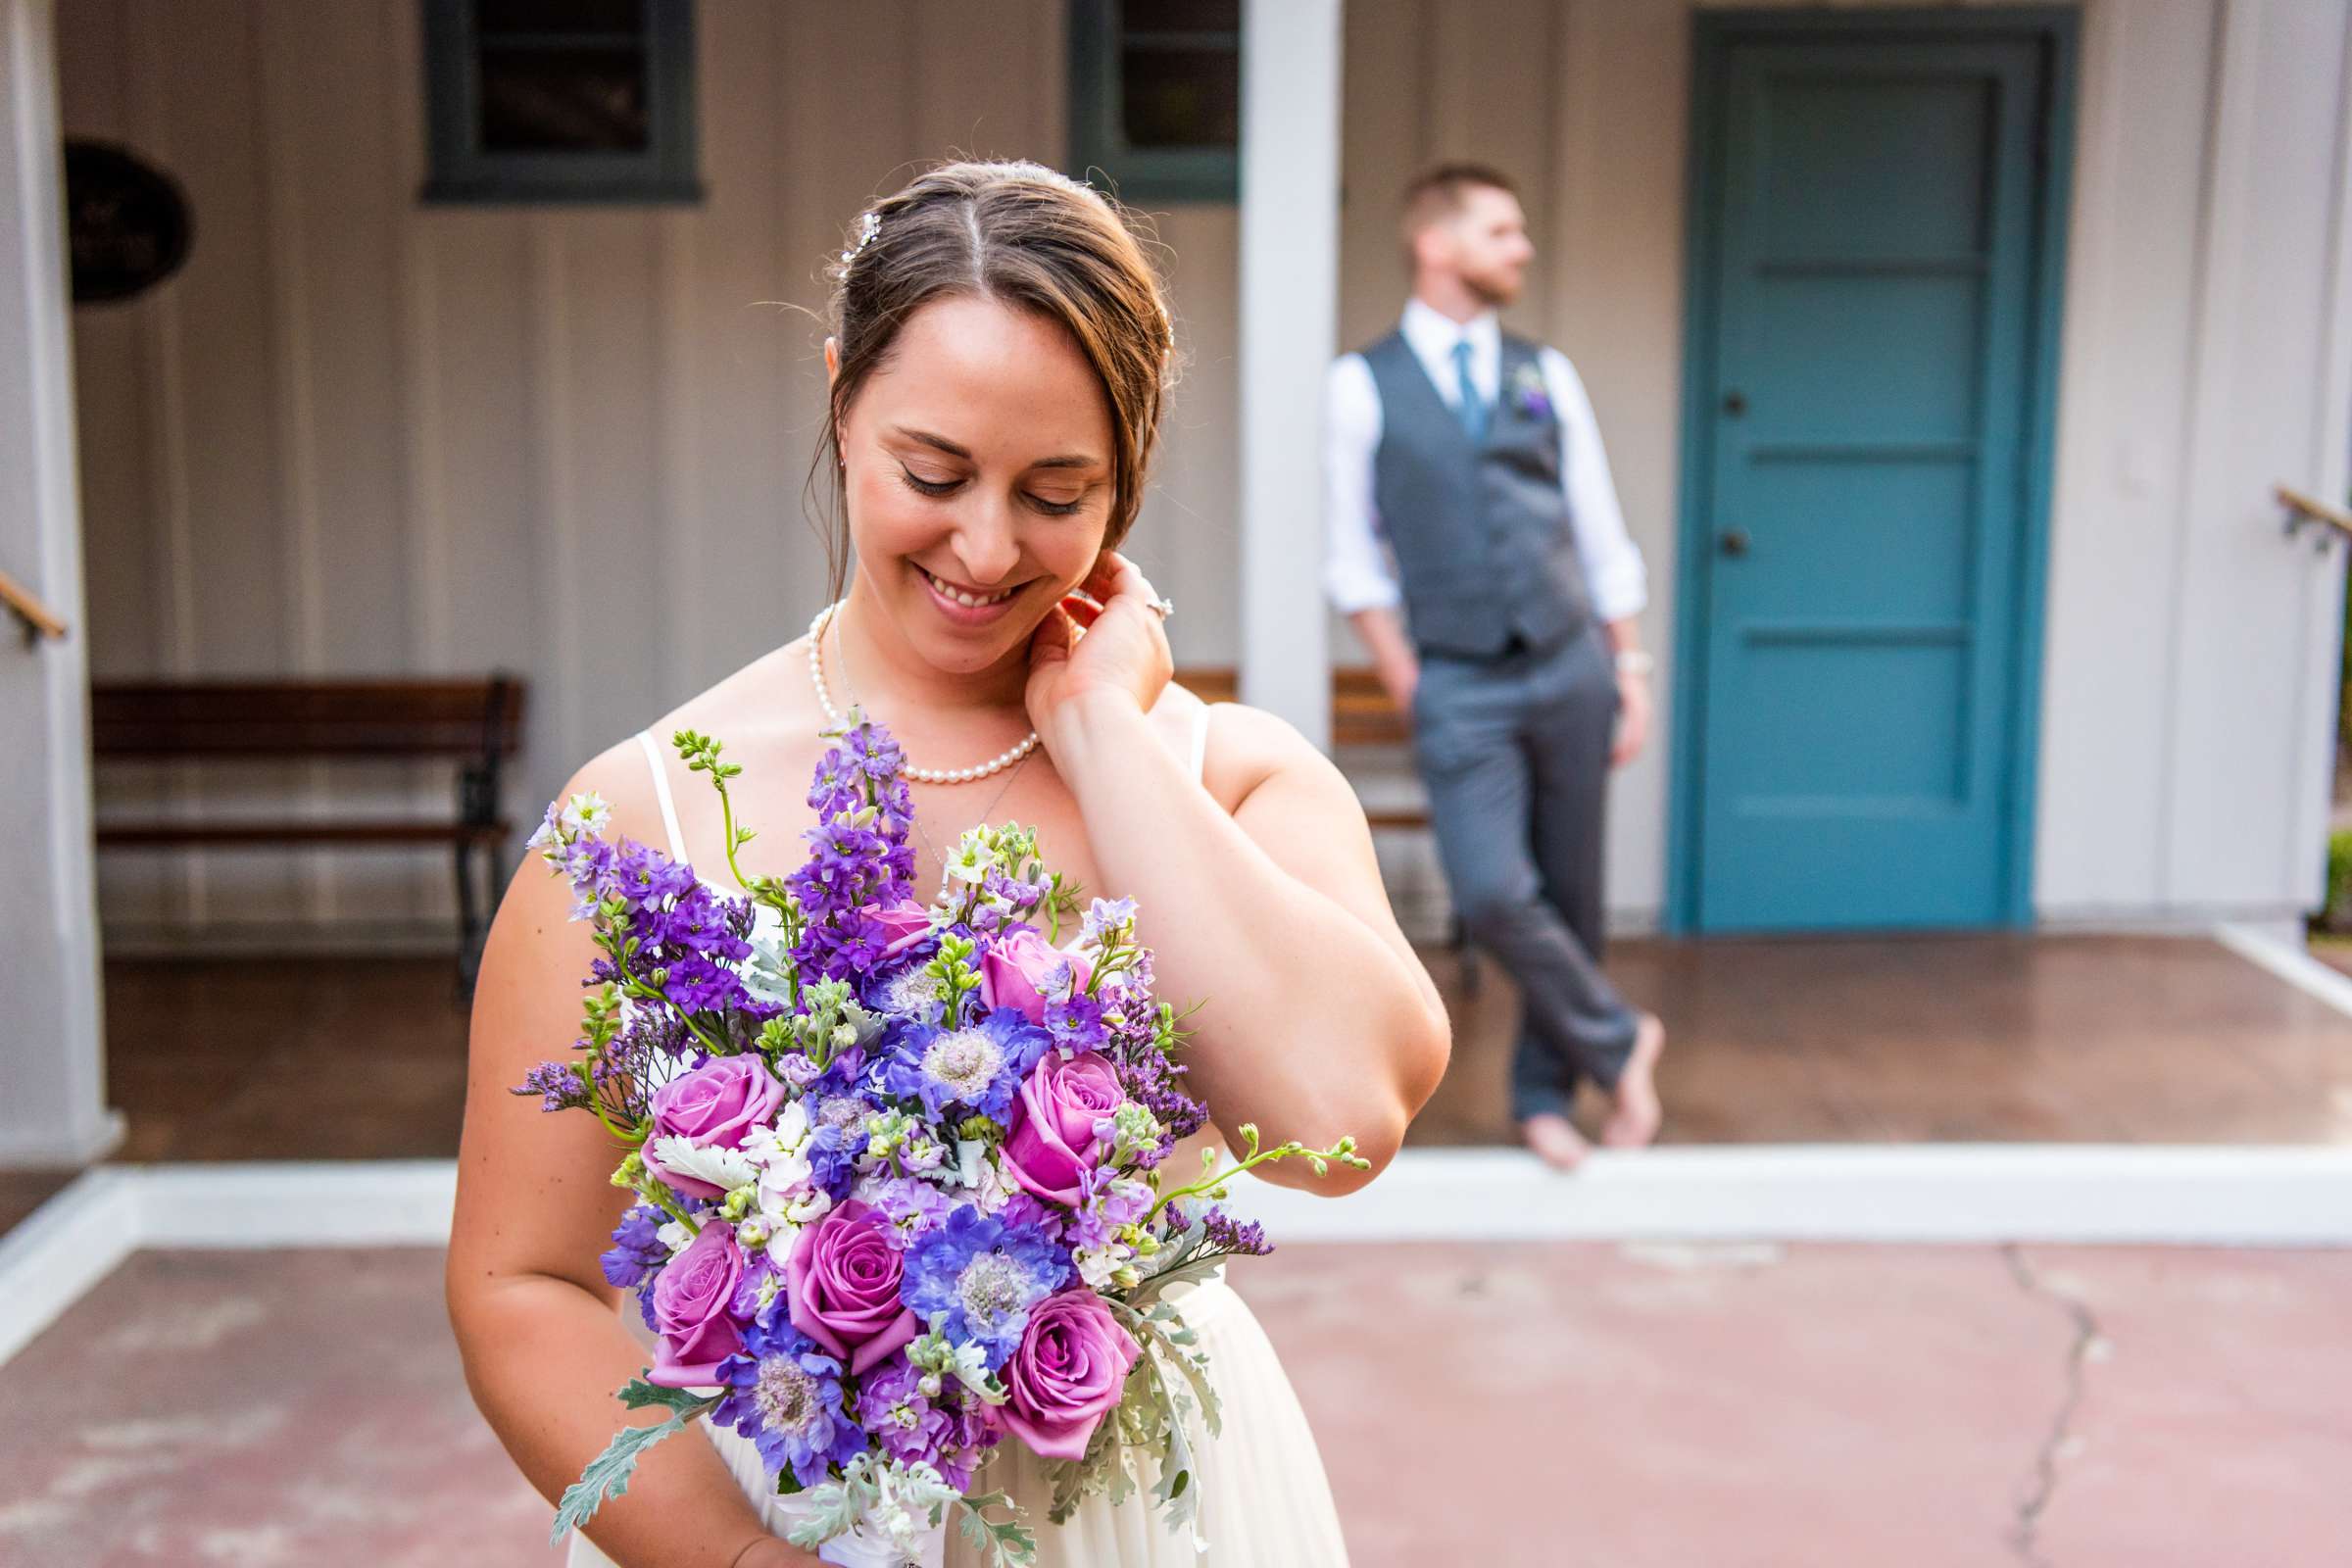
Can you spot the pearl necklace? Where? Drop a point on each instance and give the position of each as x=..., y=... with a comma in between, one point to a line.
x=921, y=775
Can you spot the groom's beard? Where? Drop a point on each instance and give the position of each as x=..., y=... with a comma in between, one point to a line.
x=1490, y=294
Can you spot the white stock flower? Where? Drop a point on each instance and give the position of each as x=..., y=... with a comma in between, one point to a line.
x=1097, y=1265
x=973, y=857
x=587, y=812
x=674, y=1236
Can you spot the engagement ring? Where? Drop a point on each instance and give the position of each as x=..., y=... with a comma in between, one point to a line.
x=1165, y=606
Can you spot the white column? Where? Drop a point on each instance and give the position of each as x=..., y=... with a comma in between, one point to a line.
x=1289, y=321
x=52, y=1062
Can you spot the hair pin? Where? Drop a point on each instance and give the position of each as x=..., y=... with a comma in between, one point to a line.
x=869, y=227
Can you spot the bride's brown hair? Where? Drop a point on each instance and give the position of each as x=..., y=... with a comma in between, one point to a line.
x=1035, y=239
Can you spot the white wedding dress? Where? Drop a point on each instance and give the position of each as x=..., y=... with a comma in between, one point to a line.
x=1263, y=1500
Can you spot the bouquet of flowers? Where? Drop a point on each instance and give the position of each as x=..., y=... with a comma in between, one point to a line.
x=897, y=1168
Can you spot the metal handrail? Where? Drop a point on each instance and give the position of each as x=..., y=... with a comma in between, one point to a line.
x=2302, y=509
x=38, y=619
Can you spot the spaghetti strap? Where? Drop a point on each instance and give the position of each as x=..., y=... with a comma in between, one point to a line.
x=669, y=807
x=1201, y=743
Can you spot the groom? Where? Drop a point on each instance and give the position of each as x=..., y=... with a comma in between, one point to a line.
x=1474, y=541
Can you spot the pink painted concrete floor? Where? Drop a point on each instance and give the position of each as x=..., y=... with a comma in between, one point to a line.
x=1556, y=1404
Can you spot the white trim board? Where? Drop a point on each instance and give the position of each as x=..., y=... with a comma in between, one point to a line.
x=1959, y=1192
x=2289, y=961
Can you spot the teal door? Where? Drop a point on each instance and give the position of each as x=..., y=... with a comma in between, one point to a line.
x=1862, y=526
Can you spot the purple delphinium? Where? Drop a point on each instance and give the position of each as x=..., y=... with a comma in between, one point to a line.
x=1106, y=1201
x=975, y=1279
x=854, y=865
x=1076, y=1024
x=906, y=1424
x=784, y=1394
x=912, y=1207
x=978, y=1067
x=636, y=1250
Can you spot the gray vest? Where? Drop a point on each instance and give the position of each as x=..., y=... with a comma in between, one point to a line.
x=1482, y=534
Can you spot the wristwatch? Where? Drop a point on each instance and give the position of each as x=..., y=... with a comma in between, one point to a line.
x=1634, y=662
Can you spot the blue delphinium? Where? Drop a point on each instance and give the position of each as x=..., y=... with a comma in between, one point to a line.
x=636, y=1250
x=784, y=1394
x=975, y=1279
x=978, y=1067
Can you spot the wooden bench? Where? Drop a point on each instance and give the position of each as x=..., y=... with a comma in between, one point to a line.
x=476, y=724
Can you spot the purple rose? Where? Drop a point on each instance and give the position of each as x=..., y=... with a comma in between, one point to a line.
x=901, y=922
x=1072, y=1364
x=1051, y=1141
x=713, y=1105
x=691, y=1298
x=844, y=1276
x=1016, y=972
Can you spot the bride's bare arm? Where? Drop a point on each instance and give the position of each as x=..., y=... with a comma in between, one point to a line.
x=1320, y=1019
x=536, y=1323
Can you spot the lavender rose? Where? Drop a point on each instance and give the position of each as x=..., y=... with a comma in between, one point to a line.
x=902, y=924
x=691, y=1298
x=844, y=1277
x=1066, y=1376
x=1017, y=970
x=1051, y=1141
x=713, y=1106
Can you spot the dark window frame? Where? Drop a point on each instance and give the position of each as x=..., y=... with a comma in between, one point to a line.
x=460, y=171
x=1097, y=139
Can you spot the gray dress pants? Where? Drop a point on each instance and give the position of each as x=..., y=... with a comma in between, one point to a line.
x=1515, y=753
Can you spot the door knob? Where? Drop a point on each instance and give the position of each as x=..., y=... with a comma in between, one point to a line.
x=1735, y=403
x=1733, y=541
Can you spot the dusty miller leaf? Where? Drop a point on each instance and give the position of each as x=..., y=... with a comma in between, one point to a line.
x=607, y=1474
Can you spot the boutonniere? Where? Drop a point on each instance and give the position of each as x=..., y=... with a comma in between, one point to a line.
x=1528, y=392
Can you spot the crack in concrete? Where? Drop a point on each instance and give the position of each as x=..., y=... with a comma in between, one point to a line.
x=2041, y=1483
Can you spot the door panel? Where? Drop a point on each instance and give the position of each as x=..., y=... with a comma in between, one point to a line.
x=1874, y=219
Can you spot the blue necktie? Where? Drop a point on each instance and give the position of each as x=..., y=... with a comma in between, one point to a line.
x=1472, y=410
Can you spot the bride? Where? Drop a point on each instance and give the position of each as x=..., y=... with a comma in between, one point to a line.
x=998, y=359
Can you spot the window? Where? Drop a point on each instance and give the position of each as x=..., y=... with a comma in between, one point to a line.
x=1155, y=96
x=560, y=100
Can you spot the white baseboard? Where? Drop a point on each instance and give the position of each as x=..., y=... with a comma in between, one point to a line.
x=2286, y=956
x=61, y=1147
x=1984, y=1193
x=1953, y=1192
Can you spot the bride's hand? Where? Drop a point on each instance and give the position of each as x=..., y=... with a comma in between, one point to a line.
x=1106, y=640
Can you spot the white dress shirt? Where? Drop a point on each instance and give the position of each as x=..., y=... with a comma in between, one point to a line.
x=1359, y=573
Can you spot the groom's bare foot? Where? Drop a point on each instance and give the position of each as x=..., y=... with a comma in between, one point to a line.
x=1556, y=1140
x=1635, y=1121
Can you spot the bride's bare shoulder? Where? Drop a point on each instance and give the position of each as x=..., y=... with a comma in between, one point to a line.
x=1245, y=746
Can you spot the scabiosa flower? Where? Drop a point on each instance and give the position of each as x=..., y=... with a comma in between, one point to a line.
x=784, y=1394
x=975, y=1279
x=636, y=1250
x=908, y=990
x=978, y=1067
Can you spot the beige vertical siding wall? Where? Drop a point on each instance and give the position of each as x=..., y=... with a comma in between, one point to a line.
x=362, y=435
x=359, y=434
